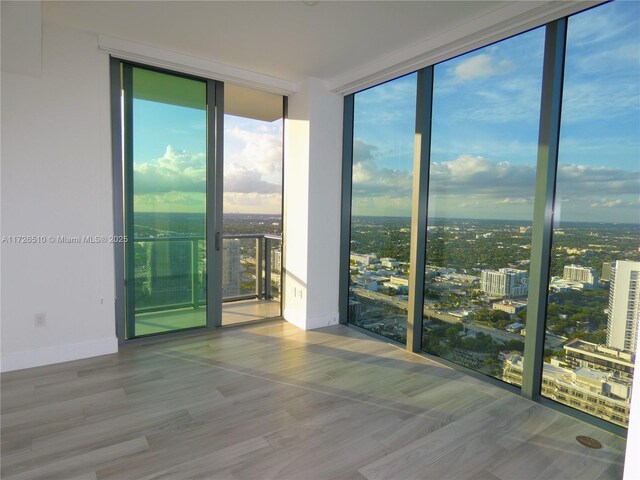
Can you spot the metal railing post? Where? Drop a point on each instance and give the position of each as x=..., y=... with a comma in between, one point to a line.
x=259, y=255
x=267, y=268
x=194, y=273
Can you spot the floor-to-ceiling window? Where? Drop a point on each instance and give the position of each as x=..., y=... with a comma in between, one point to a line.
x=594, y=284
x=486, y=108
x=532, y=216
x=383, y=146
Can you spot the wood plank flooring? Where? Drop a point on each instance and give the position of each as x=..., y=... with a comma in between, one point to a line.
x=269, y=401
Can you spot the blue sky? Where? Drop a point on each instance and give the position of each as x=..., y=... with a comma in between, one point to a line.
x=485, y=128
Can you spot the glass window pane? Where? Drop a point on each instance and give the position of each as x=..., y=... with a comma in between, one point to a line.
x=252, y=205
x=383, y=145
x=594, y=295
x=482, y=176
x=168, y=188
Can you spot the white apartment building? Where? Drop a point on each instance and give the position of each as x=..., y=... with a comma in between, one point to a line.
x=506, y=282
x=624, y=305
x=577, y=273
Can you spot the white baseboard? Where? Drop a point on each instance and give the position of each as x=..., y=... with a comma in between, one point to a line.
x=295, y=317
x=312, y=322
x=322, y=320
x=57, y=354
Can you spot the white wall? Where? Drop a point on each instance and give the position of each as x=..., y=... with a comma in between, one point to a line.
x=56, y=180
x=313, y=159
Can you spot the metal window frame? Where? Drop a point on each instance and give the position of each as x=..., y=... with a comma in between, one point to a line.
x=215, y=178
x=419, y=207
x=345, y=219
x=544, y=200
x=115, y=78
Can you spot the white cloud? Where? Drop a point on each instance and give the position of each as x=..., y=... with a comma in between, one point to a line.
x=177, y=180
x=490, y=189
x=480, y=66
x=252, y=202
x=369, y=179
x=244, y=180
x=258, y=150
x=176, y=170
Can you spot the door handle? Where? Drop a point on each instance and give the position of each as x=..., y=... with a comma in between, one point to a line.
x=217, y=240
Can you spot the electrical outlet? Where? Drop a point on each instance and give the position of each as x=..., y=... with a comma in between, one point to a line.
x=40, y=319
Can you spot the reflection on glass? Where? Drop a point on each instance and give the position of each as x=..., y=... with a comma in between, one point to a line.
x=252, y=205
x=383, y=143
x=594, y=295
x=168, y=217
x=483, y=162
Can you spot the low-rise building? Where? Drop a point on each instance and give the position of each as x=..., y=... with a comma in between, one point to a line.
x=509, y=306
x=602, y=394
x=365, y=259
x=389, y=262
x=579, y=353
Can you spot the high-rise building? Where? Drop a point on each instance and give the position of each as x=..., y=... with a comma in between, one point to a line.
x=506, y=282
x=585, y=275
x=624, y=305
x=168, y=278
x=276, y=259
x=231, y=268
x=606, y=270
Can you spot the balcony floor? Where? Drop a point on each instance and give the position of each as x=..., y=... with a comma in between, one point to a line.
x=268, y=401
x=232, y=313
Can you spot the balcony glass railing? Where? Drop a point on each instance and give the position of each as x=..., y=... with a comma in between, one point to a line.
x=170, y=272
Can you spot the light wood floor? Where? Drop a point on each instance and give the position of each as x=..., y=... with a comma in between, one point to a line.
x=270, y=401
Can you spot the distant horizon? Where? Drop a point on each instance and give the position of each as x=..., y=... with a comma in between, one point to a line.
x=405, y=217
x=529, y=222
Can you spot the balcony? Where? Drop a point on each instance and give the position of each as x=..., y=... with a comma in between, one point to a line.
x=170, y=281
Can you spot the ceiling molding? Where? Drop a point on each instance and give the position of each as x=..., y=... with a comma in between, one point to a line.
x=504, y=22
x=179, y=62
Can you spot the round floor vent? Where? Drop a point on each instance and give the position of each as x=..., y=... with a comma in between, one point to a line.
x=588, y=442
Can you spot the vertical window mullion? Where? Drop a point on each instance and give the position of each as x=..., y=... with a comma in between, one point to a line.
x=420, y=196
x=118, y=206
x=127, y=84
x=345, y=221
x=548, y=142
x=215, y=128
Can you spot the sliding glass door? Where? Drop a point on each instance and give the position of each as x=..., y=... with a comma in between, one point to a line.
x=165, y=172
x=198, y=201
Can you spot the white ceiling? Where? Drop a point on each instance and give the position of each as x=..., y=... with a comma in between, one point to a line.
x=286, y=39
